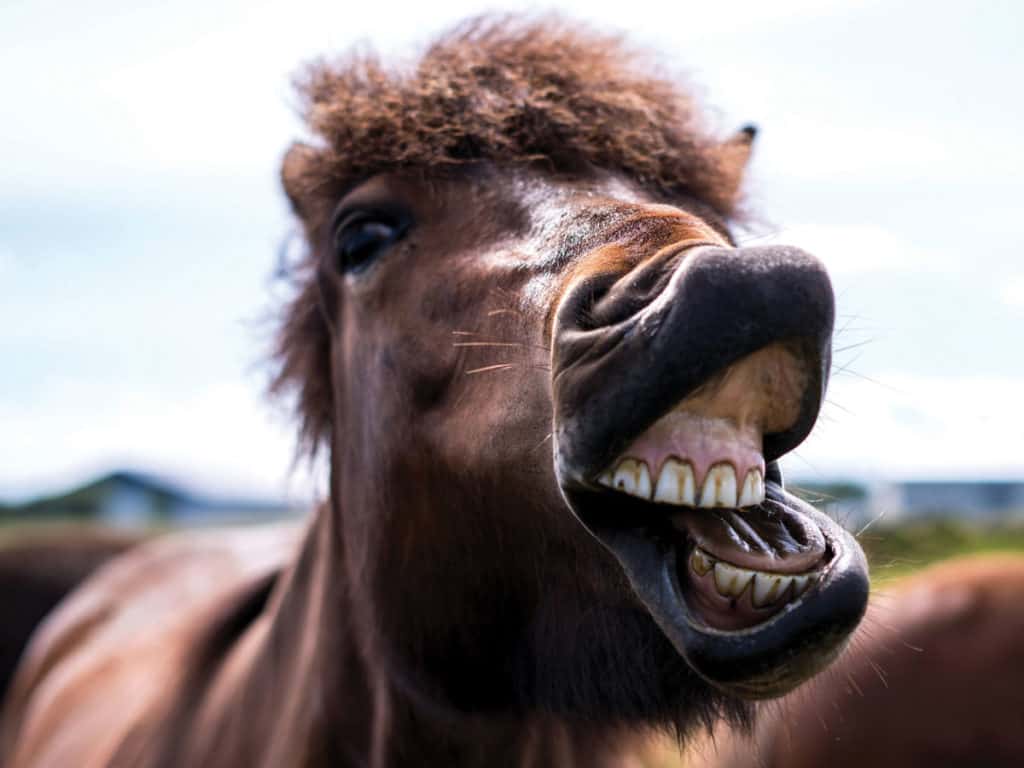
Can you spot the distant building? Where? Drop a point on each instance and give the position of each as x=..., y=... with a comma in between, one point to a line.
x=972, y=500
x=847, y=502
x=854, y=504
x=130, y=499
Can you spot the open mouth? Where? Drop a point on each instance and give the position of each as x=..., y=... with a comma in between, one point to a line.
x=677, y=387
x=741, y=556
x=755, y=588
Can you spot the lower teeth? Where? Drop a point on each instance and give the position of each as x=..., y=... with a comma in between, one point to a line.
x=765, y=587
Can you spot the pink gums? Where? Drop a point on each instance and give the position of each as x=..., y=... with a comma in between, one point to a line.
x=702, y=441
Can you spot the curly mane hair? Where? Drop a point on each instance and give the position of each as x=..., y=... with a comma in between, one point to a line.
x=500, y=90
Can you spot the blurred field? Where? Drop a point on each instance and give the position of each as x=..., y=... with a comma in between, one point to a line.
x=894, y=552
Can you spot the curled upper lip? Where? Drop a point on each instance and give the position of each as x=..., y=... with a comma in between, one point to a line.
x=648, y=343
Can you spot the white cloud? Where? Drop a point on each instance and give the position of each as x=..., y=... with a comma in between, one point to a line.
x=1011, y=292
x=904, y=426
x=224, y=438
x=857, y=248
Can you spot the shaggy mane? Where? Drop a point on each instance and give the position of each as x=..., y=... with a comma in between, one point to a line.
x=500, y=90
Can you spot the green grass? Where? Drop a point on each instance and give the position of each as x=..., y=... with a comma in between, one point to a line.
x=898, y=550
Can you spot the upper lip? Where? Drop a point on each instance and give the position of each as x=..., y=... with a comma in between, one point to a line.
x=680, y=332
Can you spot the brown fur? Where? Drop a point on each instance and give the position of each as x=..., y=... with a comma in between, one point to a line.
x=545, y=93
x=37, y=570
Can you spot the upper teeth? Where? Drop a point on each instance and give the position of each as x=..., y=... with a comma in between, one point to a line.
x=677, y=484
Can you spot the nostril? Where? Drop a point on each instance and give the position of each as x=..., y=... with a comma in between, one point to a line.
x=636, y=289
x=619, y=287
x=578, y=308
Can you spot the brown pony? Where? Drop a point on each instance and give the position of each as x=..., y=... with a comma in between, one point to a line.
x=37, y=569
x=934, y=676
x=553, y=392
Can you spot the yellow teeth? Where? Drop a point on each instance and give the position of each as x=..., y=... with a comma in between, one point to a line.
x=752, y=493
x=677, y=484
x=700, y=562
x=719, y=487
x=632, y=477
x=732, y=581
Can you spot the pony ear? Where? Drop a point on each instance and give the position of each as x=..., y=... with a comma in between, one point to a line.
x=734, y=155
x=295, y=167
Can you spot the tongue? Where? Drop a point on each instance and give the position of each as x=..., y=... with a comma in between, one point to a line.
x=769, y=537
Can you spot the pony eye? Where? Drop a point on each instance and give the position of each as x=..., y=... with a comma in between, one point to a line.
x=361, y=238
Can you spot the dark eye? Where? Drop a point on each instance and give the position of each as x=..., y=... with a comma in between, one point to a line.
x=362, y=237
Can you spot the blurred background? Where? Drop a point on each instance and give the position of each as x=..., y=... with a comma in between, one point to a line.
x=141, y=221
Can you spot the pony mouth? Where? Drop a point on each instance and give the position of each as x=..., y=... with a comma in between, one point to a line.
x=736, y=568
x=755, y=588
x=741, y=557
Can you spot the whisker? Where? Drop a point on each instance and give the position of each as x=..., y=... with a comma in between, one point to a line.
x=495, y=342
x=834, y=404
x=486, y=368
x=840, y=369
x=858, y=344
x=853, y=682
x=488, y=344
x=869, y=523
x=846, y=369
x=810, y=465
x=879, y=671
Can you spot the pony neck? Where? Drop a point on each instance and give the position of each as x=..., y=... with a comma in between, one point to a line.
x=316, y=691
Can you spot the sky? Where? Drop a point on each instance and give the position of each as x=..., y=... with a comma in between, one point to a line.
x=141, y=219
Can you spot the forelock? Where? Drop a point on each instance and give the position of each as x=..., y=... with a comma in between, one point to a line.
x=511, y=92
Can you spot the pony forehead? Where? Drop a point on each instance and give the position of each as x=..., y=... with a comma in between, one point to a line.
x=508, y=92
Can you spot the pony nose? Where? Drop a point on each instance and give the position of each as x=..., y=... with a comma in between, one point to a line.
x=659, y=333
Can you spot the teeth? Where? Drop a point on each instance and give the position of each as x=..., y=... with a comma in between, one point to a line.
x=769, y=587
x=802, y=582
x=643, y=482
x=753, y=489
x=719, y=487
x=632, y=477
x=730, y=580
x=676, y=484
x=701, y=562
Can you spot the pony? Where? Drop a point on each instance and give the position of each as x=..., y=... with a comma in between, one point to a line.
x=552, y=390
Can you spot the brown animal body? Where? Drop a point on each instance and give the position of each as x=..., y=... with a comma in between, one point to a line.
x=37, y=570
x=935, y=676
x=553, y=391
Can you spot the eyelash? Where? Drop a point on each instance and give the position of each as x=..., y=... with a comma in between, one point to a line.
x=362, y=236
